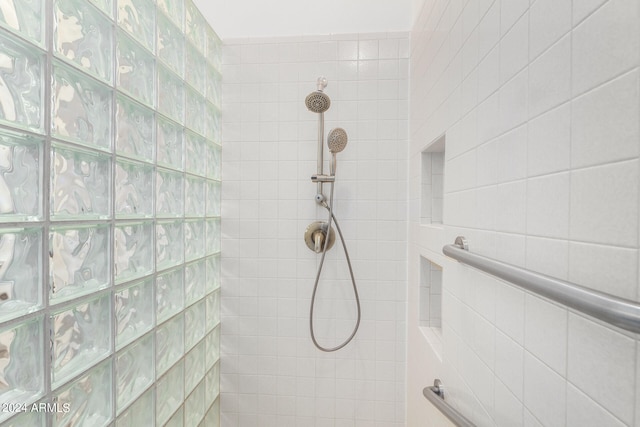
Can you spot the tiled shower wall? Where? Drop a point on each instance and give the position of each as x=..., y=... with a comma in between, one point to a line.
x=271, y=374
x=538, y=102
x=109, y=213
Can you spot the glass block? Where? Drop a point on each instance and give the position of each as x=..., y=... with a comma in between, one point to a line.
x=214, y=80
x=213, y=309
x=169, y=344
x=133, y=251
x=170, y=45
x=194, y=197
x=134, y=309
x=171, y=99
x=105, y=5
x=79, y=261
x=212, y=419
x=134, y=187
x=194, y=406
x=196, y=71
x=213, y=198
x=169, y=393
x=177, y=419
x=169, y=143
x=169, y=294
x=83, y=37
x=169, y=241
x=140, y=413
x=134, y=373
x=31, y=419
x=213, y=236
x=195, y=26
x=213, y=273
x=169, y=193
x=134, y=129
x=25, y=17
x=212, y=384
x=196, y=154
x=212, y=121
x=195, y=111
x=138, y=17
x=194, y=239
x=81, y=335
x=89, y=399
x=212, y=353
x=21, y=84
x=21, y=365
x=194, y=318
x=194, y=367
x=80, y=184
x=214, y=161
x=20, y=271
x=80, y=108
x=21, y=177
x=214, y=48
x=195, y=281
x=174, y=9
x=135, y=73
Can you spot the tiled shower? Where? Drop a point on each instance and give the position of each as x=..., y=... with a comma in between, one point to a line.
x=110, y=151
x=271, y=374
x=136, y=289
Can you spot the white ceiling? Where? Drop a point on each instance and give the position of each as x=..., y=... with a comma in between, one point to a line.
x=260, y=18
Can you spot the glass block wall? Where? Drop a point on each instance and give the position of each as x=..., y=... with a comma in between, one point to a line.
x=109, y=213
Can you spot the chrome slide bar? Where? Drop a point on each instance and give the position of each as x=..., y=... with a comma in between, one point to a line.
x=435, y=395
x=619, y=312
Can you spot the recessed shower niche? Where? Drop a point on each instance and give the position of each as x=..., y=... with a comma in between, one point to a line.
x=432, y=182
x=430, y=294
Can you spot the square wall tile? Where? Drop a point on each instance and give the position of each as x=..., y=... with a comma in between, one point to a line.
x=592, y=346
x=604, y=204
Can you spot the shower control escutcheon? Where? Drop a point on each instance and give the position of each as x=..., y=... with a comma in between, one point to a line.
x=316, y=234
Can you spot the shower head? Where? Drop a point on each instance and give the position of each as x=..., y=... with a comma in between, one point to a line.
x=337, y=140
x=317, y=102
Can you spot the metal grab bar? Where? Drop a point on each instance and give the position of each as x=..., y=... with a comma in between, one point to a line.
x=435, y=395
x=619, y=312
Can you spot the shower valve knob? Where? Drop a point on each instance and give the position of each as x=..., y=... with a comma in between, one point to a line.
x=315, y=235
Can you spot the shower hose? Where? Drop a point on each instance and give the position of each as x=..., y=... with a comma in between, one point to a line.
x=331, y=218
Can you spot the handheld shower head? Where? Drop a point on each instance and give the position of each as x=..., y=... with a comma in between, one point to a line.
x=337, y=140
x=317, y=102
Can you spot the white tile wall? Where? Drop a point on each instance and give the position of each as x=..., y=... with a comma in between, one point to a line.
x=271, y=374
x=540, y=101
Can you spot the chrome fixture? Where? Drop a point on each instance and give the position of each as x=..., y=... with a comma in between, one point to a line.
x=320, y=235
x=435, y=395
x=337, y=141
x=316, y=234
x=617, y=311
